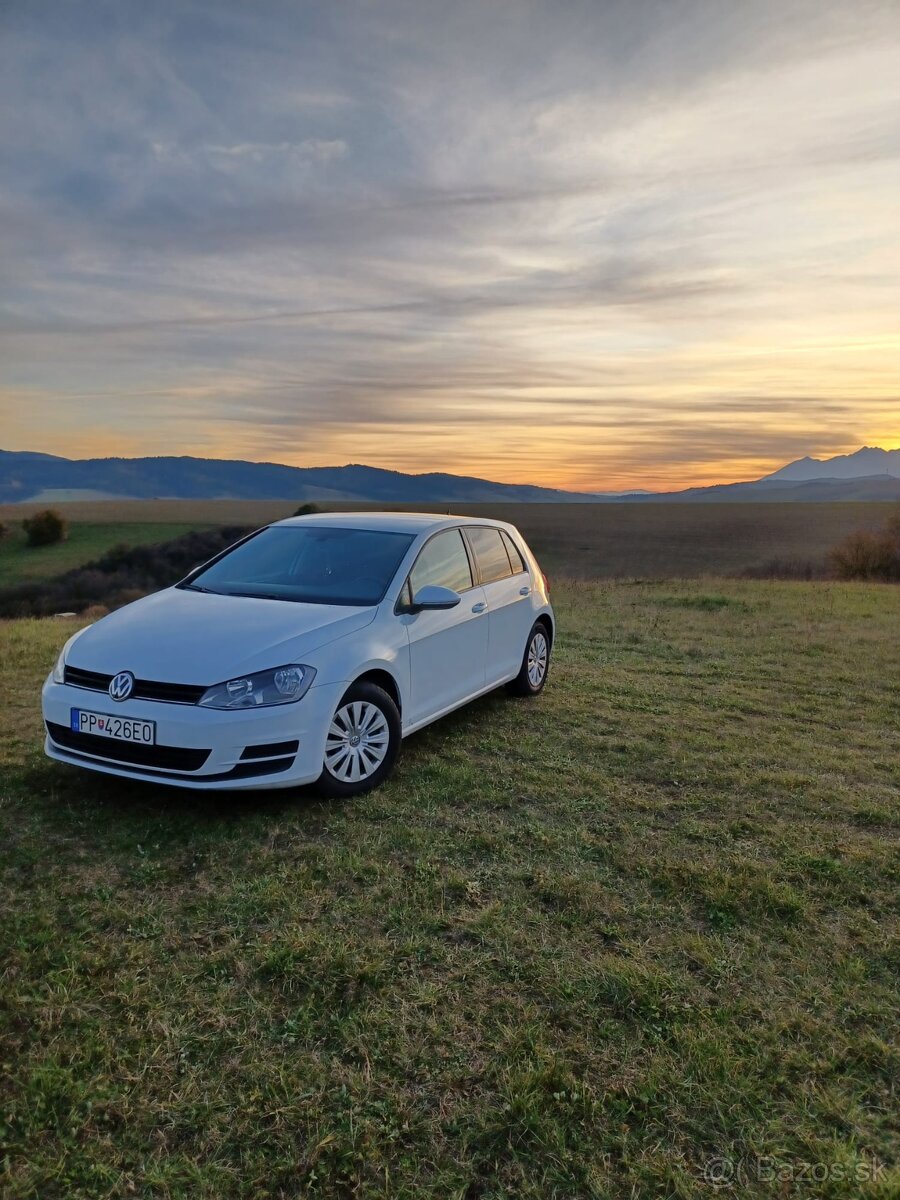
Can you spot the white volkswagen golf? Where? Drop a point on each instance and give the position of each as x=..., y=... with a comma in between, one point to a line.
x=303, y=654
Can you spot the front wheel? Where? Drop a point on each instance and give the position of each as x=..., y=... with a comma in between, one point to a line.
x=535, y=663
x=362, y=742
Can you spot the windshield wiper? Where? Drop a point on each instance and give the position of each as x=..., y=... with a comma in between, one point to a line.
x=196, y=587
x=257, y=596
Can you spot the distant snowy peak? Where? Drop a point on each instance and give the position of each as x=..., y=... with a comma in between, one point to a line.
x=870, y=460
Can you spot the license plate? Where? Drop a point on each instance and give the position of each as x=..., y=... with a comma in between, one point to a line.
x=125, y=729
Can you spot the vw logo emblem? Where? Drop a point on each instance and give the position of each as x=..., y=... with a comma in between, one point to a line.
x=120, y=685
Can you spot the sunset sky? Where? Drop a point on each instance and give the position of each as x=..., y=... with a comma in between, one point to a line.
x=595, y=245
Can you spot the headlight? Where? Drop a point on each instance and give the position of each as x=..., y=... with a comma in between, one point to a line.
x=58, y=672
x=281, y=685
x=59, y=668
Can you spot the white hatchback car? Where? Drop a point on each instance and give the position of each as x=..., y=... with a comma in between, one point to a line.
x=304, y=653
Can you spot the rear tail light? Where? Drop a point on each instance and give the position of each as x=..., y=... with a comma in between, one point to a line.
x=546, y=583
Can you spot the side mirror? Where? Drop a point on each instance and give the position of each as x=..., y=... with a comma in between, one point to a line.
x=432, y=596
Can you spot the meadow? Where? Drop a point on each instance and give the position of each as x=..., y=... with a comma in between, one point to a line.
x=86, y=541
x=637, y=938
x=585, y=541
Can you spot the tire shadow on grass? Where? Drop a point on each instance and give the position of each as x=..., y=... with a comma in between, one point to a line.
x=116, y=806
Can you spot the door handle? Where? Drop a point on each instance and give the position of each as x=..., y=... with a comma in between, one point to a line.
x=525, y=591
x=479, y=607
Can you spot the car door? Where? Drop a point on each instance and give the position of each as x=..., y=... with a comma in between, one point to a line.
x=507, y=589
x=447, y=647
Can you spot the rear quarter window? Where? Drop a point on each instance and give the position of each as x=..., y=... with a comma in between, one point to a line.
x=490, y=553
x=515, y=558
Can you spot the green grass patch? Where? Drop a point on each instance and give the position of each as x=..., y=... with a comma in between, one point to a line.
x=577, y=947
x=705, y=603
x=20, y=563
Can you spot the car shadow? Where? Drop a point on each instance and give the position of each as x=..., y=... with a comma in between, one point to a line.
x=93, y=797
x=113, y=797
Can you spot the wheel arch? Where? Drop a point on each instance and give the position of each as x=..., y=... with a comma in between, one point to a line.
x=386, y=681
x=546, y=620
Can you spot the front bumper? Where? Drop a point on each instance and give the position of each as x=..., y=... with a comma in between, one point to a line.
x=237, y=742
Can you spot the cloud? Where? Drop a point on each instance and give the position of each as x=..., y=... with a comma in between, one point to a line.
x=309, y=150
x=625, y=241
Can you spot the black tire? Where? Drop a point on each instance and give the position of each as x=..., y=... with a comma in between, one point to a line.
x=328, y=783
x=523, y=684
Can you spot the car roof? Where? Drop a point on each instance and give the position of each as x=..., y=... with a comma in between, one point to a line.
x=391, y=522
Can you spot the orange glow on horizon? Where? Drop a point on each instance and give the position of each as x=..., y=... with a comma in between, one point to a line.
x=658, y=478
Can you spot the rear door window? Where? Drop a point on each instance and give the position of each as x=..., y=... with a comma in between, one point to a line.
x=490, y=553
x=442, y=563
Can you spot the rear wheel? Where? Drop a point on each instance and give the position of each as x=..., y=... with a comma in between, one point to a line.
x=535, y=663
x=362, y=742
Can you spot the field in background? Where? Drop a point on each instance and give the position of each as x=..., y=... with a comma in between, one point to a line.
x=588, y=541
x=86, y=541
x=582, y=946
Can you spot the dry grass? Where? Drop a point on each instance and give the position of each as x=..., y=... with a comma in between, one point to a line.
x=582, y=540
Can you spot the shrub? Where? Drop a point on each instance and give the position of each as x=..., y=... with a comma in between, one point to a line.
x=121, y=575
x=95, y=612
x=306, y=510
x=45, y=528
x=866, y=555
x=787, y=568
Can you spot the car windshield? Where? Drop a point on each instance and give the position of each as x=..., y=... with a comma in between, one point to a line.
x=309, y=564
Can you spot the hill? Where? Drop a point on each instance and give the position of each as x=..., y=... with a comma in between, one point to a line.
x=23, y=476
x=26, y=476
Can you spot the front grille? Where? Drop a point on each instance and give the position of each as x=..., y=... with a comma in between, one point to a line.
x=172, y=758
x=86, y=679
x=172, y=693
x=144, y=689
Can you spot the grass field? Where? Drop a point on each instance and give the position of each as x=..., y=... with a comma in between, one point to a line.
x=580, y=947
x=86, y=541
x=586, y=541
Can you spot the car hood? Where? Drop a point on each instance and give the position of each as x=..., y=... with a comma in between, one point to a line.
x=182, y=636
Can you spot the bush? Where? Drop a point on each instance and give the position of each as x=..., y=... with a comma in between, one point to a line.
x=45, y=528
x=307, y=510
x=865, y=555
x=805, y=569
x=123, y=574
x=95, y=612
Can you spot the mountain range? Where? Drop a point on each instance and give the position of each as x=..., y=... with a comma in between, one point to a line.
x=868, y=474
x=870, y=460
